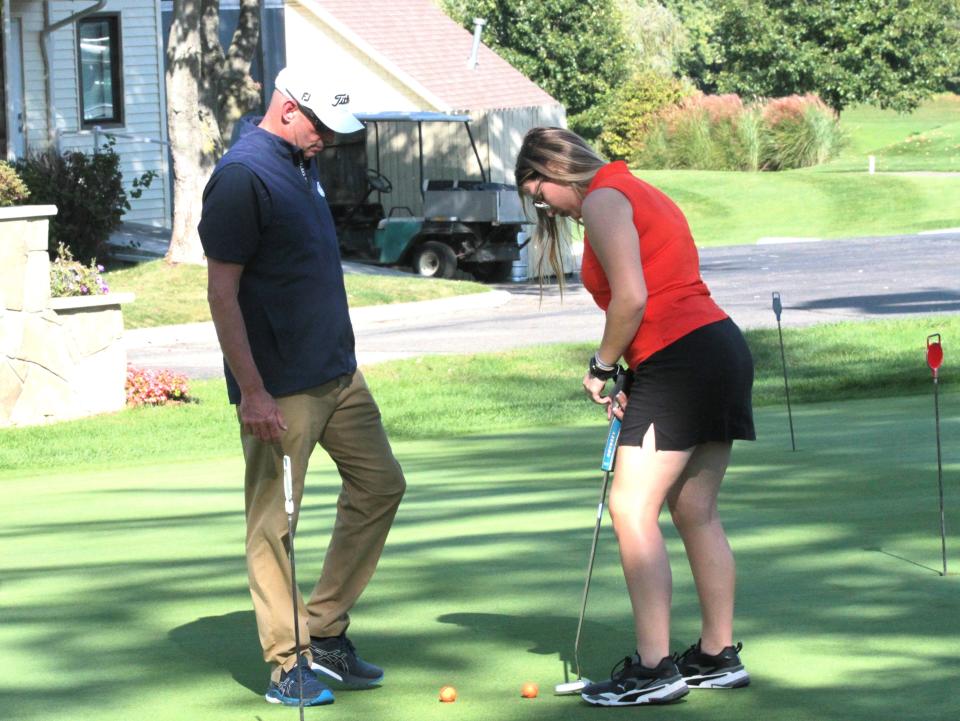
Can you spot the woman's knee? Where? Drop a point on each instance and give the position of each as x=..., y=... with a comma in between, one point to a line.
x=689, y=515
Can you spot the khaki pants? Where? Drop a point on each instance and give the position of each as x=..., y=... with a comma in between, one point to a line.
x=343, y=418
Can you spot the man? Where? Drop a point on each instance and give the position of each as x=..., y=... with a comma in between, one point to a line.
x=276, y=294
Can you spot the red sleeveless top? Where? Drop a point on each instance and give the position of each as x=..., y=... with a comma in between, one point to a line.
x=678, y=301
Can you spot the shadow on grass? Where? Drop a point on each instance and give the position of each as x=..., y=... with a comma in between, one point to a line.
x=134, y=586
x=214, y=644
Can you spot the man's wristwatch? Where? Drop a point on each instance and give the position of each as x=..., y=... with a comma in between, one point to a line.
x=600, y=370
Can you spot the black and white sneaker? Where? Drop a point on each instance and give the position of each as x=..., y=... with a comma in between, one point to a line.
x=336, y=658
x=632, y=684
x=701, y=670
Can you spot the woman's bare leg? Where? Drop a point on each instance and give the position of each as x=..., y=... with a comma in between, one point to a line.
x=642, y=479
x=693, y=504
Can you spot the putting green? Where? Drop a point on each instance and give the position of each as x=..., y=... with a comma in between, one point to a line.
x=122, y=592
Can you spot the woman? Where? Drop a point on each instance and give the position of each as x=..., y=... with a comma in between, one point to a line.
x=690, y=399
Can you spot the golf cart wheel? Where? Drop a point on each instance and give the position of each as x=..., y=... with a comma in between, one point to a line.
x=435, y=260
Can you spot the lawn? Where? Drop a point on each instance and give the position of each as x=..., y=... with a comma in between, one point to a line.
x=132, y=576
x=521, y=389
x=926, y=139
x=838, y=199
x=122, y=547
x=170, y=294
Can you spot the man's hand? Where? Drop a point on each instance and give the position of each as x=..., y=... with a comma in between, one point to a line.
x=261, y=417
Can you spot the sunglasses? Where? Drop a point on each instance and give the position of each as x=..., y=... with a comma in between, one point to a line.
x=317, y=124
x=538, y=202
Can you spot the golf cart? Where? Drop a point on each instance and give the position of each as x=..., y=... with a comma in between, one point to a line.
x=471, y=225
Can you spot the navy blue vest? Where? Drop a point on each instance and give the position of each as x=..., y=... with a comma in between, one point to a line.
x=291, y=294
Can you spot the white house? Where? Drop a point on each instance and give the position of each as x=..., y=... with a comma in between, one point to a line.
x=71, y=70
x=407, y=55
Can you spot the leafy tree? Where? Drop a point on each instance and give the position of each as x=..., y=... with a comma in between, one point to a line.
x=208, y=90
x=574, y=49
x=890, y=53
x=658, y=36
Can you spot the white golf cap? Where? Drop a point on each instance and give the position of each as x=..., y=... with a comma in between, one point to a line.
x=328, y=101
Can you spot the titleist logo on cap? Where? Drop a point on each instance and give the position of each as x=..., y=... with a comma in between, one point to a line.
x=340, y=99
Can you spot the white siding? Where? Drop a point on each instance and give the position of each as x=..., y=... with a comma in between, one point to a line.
x=143, y=106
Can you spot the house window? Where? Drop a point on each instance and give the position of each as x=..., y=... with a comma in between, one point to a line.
x=101, y=89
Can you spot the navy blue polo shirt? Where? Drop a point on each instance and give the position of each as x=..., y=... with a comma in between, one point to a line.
x=264, y=208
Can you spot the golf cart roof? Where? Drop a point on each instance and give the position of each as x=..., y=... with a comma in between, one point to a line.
x=417, y=116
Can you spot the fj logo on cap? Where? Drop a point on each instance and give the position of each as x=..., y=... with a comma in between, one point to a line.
x=305, y=98
x=340, y=99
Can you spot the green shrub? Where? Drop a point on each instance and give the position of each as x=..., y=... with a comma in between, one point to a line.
x=13, y=190
x=701, y=131
x=631, y=109
x=717, y=132
x=803, y=132
x=69, y=277
x=88, y=192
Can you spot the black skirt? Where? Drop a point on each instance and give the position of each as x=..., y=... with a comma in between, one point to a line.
x=696, y=390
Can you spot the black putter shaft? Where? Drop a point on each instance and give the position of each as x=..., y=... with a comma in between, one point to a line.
x=778, y=309
x=289, y=507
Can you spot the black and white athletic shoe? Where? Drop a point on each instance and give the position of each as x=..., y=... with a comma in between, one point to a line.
x=336, y=658
x=632, y=684
x=701, y=670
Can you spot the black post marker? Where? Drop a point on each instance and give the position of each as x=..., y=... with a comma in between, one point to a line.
x=935, y=360
x=777, y=310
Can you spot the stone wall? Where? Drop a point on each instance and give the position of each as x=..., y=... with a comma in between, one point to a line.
x=60, y=358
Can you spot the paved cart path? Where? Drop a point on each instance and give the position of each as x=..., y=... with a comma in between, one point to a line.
x=855, y=279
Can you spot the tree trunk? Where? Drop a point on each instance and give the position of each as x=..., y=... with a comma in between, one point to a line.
x=196, y=66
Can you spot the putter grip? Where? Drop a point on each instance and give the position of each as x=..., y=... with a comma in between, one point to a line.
x=613, y=434
x=777, y=305
x=287, y=486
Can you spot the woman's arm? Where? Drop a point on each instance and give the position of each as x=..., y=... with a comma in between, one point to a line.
x=608, y=218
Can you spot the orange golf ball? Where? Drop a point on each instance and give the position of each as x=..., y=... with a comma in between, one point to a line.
x=448, y=694
x=529, y=690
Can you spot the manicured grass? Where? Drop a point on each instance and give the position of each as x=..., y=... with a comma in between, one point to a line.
x=133, y=577
x=171, y=294
x=838, y=199
x=522, y=389
x=737, y=208
x=926, y=139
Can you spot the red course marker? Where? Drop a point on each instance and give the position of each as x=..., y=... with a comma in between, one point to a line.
x=934, y=353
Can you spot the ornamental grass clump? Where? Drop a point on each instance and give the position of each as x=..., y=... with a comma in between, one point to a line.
x=803, y=132
x=69, y=277
x=719, y=132
x=155, y=388
x=701, y=131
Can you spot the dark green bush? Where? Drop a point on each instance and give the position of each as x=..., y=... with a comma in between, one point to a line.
x=88, y=192
x=13, y=191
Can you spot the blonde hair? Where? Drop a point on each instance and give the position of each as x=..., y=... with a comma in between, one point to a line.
x=560, y=156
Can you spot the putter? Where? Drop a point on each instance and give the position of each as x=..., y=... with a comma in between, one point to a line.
x=288, y=507
x=609, y=456
x=934, y=360
x=777, y=309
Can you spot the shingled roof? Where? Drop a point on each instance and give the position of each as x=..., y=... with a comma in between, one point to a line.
x=422, y=43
